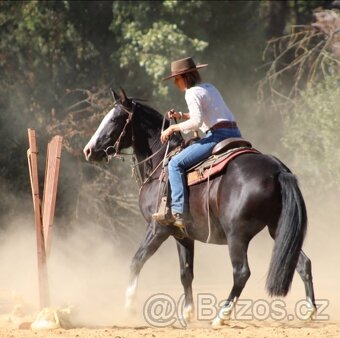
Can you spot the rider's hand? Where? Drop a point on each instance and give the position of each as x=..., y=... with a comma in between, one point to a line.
x=168, y=132
x=172, y=114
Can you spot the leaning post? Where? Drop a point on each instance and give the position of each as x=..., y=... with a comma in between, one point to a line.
x=32, y=154
x=50, y=188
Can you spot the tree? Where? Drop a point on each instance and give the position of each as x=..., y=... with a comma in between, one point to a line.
x=312, y=134
x=58, y=60
x=41, y=55
x=303, y=80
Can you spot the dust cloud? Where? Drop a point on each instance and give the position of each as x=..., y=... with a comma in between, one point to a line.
x=85, y=273
x=213, y=271
x=88, y=274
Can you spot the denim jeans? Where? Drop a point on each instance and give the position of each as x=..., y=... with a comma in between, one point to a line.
x=187, y=158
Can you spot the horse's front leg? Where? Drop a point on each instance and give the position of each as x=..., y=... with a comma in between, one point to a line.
x=185, y=249
x=147, y=248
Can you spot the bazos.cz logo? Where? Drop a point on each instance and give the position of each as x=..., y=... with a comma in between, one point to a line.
x=161, y=310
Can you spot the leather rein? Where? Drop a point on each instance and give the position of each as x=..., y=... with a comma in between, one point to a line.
x=135, y=165
x=117, y=143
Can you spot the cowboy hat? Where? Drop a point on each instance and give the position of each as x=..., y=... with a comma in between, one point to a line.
x=183, y=66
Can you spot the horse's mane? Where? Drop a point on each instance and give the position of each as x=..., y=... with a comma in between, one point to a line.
x=156, y=118
x=150, y=112
x=150, y=124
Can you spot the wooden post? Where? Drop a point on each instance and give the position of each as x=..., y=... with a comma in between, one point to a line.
x=50, y=188
x=32, y=153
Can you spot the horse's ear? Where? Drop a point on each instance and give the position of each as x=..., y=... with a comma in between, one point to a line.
x=114, y=94
x=123, y=96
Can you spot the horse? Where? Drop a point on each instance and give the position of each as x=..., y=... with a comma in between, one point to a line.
x=254, y=191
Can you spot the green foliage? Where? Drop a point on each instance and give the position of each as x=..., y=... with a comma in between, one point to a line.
x=154, y=47
x=302, y=85
x=312, y=134
x=41, y=53
x=150, y=37
x=55, y=54
x=41, y=40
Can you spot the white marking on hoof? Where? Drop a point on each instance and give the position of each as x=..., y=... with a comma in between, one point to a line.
x=218, y=322
x=311, y=310
x=188, y=313
x=130, y=296
x=224, y=314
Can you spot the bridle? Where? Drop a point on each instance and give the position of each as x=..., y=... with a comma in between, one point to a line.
x=135, y=164
x=122, y=133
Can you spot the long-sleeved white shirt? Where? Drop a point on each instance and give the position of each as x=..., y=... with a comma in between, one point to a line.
x=206, y=108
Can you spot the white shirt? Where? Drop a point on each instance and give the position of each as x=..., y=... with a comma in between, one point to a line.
x=206, y=108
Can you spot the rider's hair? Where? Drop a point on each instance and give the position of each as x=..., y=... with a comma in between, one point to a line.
x=191, y=79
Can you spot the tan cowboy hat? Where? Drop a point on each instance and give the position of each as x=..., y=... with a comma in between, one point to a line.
x=183, y=66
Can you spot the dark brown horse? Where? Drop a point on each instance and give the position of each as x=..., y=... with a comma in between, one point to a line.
x=253, y=192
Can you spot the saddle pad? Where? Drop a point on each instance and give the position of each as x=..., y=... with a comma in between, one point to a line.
x=214, y=164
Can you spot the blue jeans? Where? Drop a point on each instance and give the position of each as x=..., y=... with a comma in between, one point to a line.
x=187, y=158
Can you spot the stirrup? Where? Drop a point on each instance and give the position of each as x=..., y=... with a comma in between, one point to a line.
x=170, y=219
x=163, y=215
x=181, y=220
x=163, y=219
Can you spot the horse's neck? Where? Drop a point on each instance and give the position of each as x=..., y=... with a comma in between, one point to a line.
x=148, y=148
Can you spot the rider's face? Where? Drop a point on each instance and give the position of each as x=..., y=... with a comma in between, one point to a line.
x=180, y=83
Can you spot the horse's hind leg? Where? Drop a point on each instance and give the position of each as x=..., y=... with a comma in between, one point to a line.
x=304, y=268
x=185, y=249
x=147, y=248
x=238, y=247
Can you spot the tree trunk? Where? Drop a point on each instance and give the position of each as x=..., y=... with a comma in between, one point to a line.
x=277, y=17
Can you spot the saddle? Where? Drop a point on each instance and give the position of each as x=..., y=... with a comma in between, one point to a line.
x=221, y=155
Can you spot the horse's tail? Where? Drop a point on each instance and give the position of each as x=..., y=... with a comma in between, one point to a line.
x=289, y=236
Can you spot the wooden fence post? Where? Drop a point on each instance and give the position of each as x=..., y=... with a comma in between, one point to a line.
x=50, y=188
x=32, y=153
x=44, y=212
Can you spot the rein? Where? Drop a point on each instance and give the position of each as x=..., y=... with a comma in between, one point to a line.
x=117, y=143
x=135, y=165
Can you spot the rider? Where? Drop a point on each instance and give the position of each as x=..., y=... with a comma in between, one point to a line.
x=207, y=112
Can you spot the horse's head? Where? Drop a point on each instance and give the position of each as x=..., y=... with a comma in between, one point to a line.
x=114, y=132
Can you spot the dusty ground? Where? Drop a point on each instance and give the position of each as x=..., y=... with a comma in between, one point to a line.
x=234, y=329
x=95, y=282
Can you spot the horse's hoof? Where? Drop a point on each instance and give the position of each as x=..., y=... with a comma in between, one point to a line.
x=131, y=311
x=223, y=316
x=310, y=314
x=311, y=311
x=188, y=314
x=218, y=322
x=222, y=319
